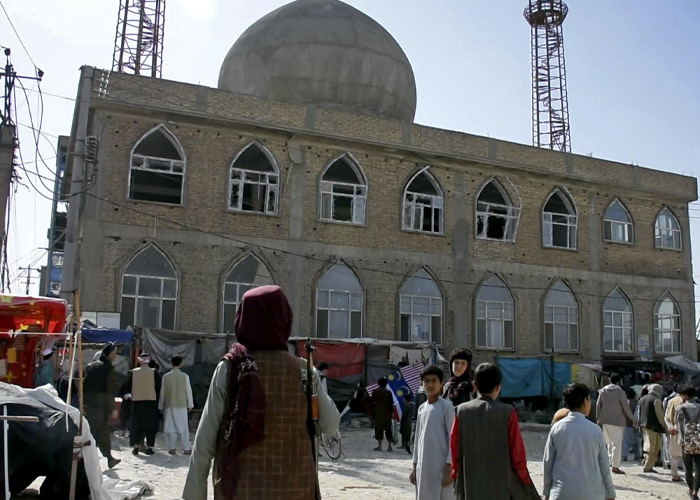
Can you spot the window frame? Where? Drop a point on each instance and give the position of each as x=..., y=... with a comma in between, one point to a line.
x=553, y=348
x=668, y=213
x=325, y=189
x=512, y=215
x=171, y=168
x=673, y=331
x=487, y=319
x=238, y=284
x=161, y=298
x=430, y=315
x=329, y=291
x=571, y=222
x=242, y=181
x=436, y=202
x=622, y=327
x=611, y=223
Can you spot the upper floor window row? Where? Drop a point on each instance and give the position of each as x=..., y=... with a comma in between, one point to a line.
x=157, y=174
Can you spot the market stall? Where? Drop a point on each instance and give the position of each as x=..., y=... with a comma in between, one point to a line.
x=28, y=325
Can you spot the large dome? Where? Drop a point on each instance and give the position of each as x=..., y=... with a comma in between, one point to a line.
x=322, y=52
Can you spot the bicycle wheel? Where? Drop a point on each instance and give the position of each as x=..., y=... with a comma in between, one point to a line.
x=333, y=446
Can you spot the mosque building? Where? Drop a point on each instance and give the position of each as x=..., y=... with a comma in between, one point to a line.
x=304, y=168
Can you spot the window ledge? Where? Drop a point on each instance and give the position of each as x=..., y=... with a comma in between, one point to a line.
x=249, y=212
x=161, y=203
x=566, y=249
x=483, y=238
x=496, y=349
x=342, y=222
x=624, y=243
x=668, y=248
x=424, y=233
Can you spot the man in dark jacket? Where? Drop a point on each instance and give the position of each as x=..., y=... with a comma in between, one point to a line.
x=99, y=391
x=613, y=414
x=651, y=419
x=383, y=411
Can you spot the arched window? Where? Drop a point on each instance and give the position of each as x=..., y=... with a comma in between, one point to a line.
x=343, y=192
x=559, y=221
x=667, y=231
x=617, y=224
x=339, y=300
x=423, y=204
x=249, y=272
x=421, y=309
x=254, y=181
x=618, y=321
x=560, y=319
x=495, y=318
x=149, y=291
x=157, y=170
x=496, y=217
x=667, y=325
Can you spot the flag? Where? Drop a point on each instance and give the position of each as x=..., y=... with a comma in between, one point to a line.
x=401, y=382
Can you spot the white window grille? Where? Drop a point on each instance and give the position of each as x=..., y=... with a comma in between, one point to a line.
x=496, y=217
x=617, y=224
x=149, y=291
x=667, y=231
x=423, y=204
x=495, y=318
x=339, y=304
x=420, y=314
x=247, y=273
x=559, y=222
x=343, y=192
x=157, y=168
x=560, y=320
x=254, y=181
x=618, y=323
x=667, y=326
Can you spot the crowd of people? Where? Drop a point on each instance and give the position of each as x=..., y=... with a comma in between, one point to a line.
x=266, y=406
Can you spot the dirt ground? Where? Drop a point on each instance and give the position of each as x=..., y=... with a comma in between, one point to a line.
x=365, y=474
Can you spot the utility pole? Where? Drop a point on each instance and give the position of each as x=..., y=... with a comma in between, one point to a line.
x=29, y=276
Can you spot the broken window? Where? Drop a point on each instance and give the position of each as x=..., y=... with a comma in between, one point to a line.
x=617, y=224
x=421, y=309
x=423, y=204
x=496, y=217
x=667, y=231
x=495, y=322
x=254, y=181
x=157, y=171
x=149, y=291
x=339, y=299
x=559, y=221
x=617, y=323
x=667, y=325
x=343, y=192
x=560, y=319
x=247, y=273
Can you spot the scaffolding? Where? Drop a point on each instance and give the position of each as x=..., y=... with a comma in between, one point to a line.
x=550, y=108
x=138, y=45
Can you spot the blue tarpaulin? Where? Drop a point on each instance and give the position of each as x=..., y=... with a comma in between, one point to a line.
x=528, y=377
x=104, y=335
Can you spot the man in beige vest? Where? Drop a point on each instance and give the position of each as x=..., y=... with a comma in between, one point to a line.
x=145, y=384
x=175, y=402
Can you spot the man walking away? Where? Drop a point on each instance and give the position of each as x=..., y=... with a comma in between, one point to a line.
x=176, y=402
x=406, y=422
x=688, y=423
x=651, y=419
x=613, y=413
x=575, y=460
x=383, y=411
x=98, y=391
x=630, y=441
x=143, y=383
x=488, y=453
x=675, y=450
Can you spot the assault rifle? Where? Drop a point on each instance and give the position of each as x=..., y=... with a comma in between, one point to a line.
x=311, y=400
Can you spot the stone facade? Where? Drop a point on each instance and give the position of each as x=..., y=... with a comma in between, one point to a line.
x=202, y=238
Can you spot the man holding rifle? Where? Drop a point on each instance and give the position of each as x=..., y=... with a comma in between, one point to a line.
x=255, y=422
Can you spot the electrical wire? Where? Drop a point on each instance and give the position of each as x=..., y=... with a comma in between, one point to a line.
x=17, y=34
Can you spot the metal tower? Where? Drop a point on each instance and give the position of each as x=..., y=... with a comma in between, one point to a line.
x=138, y=46
x=550, y=108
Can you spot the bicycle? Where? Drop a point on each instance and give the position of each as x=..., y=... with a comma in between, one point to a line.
x=332, y=445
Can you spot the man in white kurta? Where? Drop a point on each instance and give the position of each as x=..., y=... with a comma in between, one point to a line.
x=176, y=402
x=431, y=449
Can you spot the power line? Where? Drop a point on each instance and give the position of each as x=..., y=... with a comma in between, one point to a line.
x=17, y=34
x=328, y=260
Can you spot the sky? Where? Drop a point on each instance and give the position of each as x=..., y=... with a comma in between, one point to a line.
x=632, y=77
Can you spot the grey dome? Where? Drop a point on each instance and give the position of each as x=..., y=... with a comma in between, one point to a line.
x=322, y=52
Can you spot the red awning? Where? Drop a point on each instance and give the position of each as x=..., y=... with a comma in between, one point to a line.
x=38, y=314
